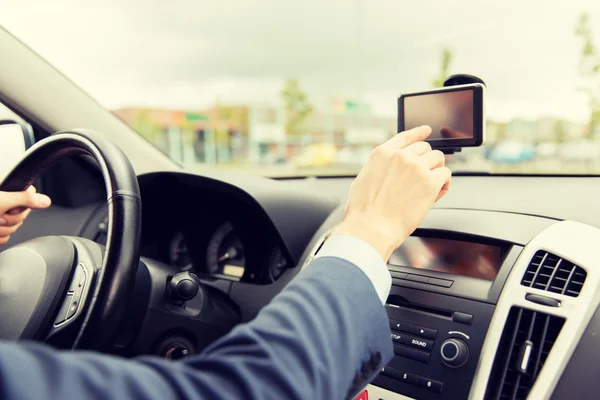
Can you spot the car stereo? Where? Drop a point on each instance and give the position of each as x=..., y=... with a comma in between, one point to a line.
x=439, y=309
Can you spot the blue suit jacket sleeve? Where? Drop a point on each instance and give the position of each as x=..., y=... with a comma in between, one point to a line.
x=325, y=336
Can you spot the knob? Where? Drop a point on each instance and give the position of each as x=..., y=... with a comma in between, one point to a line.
x=454, y=352
x=183, y=286
x=175, y=348
x=177, y=352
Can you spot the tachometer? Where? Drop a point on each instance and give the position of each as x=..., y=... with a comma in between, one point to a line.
x=225, y=252
x=179, y=255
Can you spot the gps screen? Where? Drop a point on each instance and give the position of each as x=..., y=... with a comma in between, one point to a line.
x=450, y=114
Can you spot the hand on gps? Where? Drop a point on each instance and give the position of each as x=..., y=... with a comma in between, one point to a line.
x=394, y=191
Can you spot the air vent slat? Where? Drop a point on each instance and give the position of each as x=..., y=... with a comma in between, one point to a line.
x=513, y=337
x=515, y=370
x=553, y=274
x=537, y=270
x=540, y=353
x=515, y=388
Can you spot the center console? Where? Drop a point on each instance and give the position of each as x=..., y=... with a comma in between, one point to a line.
x=480, y=301
x=439, y=314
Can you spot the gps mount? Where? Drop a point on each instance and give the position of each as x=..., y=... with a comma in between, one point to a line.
x=455, y=80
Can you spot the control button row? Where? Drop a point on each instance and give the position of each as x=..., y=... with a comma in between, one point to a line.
x=413, y=354
x=413, y=341
x=412, y=379
x=422, y=279
x=72, y=300
x=418, y=330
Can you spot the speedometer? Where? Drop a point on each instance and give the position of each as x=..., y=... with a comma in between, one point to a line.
x=179, y=255
x=225, y=252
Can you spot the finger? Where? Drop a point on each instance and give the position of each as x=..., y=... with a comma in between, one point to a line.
x=442, y=177
x=9, y=230
x=9, y=219
x=433, y=159
x=17, y=210
x=418, y=148
x=403, y=139
x=4, y=239
x=26, y=199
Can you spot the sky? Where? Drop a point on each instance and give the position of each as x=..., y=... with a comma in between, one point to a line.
x=187, y=54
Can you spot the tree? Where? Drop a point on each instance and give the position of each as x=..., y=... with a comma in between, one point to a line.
x=589, y=70
x=559, y=132
x=297, y=108
x=445, y=67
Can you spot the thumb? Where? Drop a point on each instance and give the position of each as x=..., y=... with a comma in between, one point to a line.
x=25, y=199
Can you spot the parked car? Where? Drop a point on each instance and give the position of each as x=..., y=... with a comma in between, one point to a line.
x=512, y=152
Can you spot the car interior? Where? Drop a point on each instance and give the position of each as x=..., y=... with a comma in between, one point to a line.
x=494, y=296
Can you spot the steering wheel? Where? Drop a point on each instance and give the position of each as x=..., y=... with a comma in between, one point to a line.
x=66, y=287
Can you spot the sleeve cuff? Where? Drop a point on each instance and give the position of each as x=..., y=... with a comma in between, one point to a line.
x=363, y=256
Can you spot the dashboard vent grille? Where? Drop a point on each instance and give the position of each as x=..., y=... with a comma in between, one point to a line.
x=527, y=339
x=554, y=274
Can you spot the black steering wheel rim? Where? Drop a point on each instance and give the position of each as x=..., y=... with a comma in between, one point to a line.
x=115, y=279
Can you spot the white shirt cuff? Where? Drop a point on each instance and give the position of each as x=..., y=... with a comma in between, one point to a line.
x=364, y=256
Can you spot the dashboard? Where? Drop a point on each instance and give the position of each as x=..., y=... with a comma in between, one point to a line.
x=495, y=295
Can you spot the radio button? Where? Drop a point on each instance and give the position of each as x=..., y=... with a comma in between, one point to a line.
x=417, y=278
x=400, y=326
x=398, y=337
x=392, y=372
x=411, y=353
x=419, y=343
x=430, y=384
x=422, y=331
x=409, y=378
x=440, y=282
x=462, y=318
x=398, y=275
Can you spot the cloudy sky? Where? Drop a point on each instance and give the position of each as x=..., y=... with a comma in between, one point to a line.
x=189, y=53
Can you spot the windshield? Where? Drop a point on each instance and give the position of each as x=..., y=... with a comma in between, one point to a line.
x=282, y=88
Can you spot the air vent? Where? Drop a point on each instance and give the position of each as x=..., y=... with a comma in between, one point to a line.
x=527, y=339
x=554, y=274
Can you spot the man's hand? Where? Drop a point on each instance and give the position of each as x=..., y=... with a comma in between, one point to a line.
x=15, y=207
x=394, y=191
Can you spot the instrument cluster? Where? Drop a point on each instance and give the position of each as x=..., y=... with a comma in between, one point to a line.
x=227, y=253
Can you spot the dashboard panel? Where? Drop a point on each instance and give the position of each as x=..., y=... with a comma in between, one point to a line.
x=193, y=222
x=216, y=237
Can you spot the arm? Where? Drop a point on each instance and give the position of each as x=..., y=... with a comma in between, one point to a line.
x=324, y=337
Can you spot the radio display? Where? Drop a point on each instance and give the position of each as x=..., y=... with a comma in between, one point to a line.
x=456, y=257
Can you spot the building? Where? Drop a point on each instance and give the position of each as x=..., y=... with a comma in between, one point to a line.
x=255, y=134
